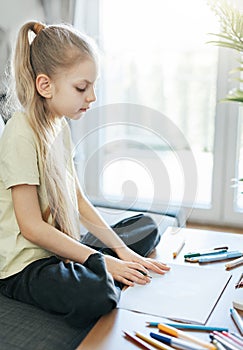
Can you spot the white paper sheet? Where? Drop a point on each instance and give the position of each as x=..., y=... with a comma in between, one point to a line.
x=187, y=293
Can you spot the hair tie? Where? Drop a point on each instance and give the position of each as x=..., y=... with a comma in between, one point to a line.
x=38, y=27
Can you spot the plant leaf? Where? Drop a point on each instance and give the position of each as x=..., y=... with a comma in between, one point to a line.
x=237, y=41
x=227, y=45
x=236, y=70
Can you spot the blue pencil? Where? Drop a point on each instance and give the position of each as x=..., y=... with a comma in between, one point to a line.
x=174, y=342
x=195, y=327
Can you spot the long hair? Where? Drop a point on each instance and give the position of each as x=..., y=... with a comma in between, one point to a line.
x=48, y=50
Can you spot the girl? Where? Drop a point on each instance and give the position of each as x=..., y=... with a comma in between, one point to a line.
x=42, y=261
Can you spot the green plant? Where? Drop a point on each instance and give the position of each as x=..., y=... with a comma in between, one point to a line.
x=231, y=36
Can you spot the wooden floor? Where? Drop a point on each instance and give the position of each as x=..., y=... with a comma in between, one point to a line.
x=215, y=228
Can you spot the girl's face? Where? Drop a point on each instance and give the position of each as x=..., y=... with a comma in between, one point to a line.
x=73, y=90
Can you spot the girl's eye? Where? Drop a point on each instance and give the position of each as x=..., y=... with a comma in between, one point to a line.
x=80, y=89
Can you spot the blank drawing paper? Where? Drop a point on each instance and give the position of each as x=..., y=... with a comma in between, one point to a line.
x=185, y=293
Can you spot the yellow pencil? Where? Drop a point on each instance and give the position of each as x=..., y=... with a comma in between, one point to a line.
x=153, y=342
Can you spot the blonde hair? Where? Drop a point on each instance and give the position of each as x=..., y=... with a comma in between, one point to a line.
x=51, y=49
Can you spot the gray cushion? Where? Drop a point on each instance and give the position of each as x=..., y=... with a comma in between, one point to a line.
x=26, y=327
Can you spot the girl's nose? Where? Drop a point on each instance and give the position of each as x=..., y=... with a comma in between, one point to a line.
x=91, y=97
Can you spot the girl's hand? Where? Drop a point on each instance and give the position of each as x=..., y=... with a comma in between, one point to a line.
x=127, y=272
x=132, y=268
x=127, y=254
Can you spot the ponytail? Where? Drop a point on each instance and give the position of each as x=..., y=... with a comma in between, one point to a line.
x=24, y=75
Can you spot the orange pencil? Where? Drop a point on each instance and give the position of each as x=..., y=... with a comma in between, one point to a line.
x=180, y=334
x=176, y=253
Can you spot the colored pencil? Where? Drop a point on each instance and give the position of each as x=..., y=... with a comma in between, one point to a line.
x=138, y=340
x=196, y=327
x=178, y=250
x=180, y=334
x=153, y=342
x=238, y=321
x=224, y=342
x=232, y=337
x=177, y=343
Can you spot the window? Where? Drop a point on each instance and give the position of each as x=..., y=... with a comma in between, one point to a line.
x=156, y=65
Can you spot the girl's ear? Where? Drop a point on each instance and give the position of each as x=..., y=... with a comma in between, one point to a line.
x=43, y=85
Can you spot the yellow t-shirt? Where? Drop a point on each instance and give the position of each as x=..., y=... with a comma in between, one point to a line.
x=20, y=163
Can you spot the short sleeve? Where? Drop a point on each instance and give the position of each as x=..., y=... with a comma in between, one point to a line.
x=18, y=161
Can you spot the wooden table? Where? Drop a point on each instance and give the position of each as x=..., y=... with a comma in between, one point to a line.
x=107, y=334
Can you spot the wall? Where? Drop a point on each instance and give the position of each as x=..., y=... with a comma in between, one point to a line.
x=13, y=13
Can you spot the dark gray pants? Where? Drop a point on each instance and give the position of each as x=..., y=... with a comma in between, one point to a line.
x=80, y=292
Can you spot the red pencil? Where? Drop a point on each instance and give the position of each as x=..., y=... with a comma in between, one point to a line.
x=233, y=338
